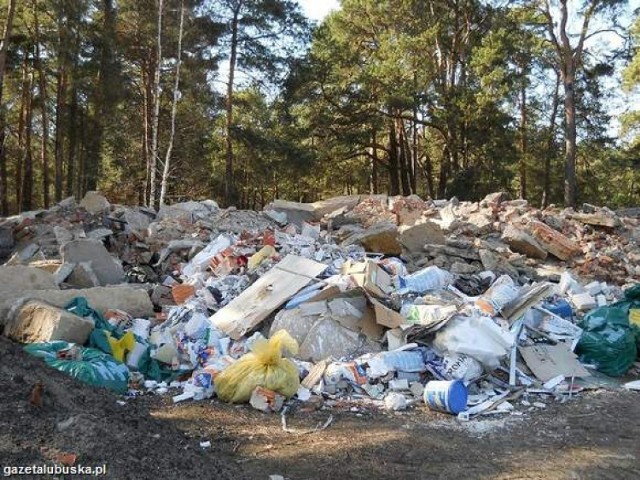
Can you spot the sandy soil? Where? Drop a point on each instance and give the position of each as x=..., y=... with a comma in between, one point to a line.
x=592, y=436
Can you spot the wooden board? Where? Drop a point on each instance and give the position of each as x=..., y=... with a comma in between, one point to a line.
x=268, y=293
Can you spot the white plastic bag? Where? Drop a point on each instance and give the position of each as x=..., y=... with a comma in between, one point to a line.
x=477, y=336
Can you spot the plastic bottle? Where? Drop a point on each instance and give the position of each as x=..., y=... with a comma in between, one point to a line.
x=430, y=278
x=501, y=292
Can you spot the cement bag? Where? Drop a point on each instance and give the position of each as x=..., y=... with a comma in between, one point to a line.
x=88, y=365
x=262, y=367
x=479, y=337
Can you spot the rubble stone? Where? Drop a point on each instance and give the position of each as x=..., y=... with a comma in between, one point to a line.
x=482, y=222
x=36, y=321
x=108, y=270
x=598, y=220
x=493, y=262
x=380, y=238
x=83, y=276
x=496, y=198
x=19, y=278
x=137, y=222
x=521, y=242
x=94, y=203
x=62, y=235
x=553, y=241
x=134, y=301
x=413, y=239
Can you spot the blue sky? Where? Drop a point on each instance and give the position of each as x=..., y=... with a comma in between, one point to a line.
x=318, y=9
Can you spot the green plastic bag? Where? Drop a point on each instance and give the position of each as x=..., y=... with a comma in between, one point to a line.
x=99, y=337
x=608, y=339
x=96, y=368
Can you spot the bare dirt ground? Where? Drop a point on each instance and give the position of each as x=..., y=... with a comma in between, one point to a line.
x=592, y=436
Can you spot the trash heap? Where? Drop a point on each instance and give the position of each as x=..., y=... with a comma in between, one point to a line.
x=361, y=302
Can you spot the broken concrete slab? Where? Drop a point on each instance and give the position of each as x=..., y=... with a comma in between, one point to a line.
x=496, y=198
x=62, y=234
x=553, y=241
x=296, y=212
x=448, y=251
x=82, y=276
x=108, y=270
x=597, y=219
x=63, y=272
x=18, y=278
x=69, y=202
x=482, y=223
x=94, y=203
x=493, y=262
x=521, y=242
x=134, y=301
x=36, y=321
x=380, y=238
x=137, y=222
x=413, y=239
x=6, y=241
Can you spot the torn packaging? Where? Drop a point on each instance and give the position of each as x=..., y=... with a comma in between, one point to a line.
x=268, y=293
x=549, y=361
x=369, y=276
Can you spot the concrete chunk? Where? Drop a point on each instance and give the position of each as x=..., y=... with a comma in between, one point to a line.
x=37, y=321
x=108, y=270
x=83, y=276
x=94, y=203
x=553, y=241
x=521, y=242
x=380, y=238
x=413, y=239
x=598, y=220
x=18, y=278
x=134, y=301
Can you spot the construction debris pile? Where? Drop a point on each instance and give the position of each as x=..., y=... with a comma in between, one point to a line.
x=357, y=302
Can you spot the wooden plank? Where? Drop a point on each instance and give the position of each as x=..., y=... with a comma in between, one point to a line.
x=268, y=293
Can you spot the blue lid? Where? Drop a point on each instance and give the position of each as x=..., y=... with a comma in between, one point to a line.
x=457, y=397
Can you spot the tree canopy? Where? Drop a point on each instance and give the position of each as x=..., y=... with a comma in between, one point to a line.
x=245, y=101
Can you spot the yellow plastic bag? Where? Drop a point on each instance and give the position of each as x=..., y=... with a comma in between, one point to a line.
x=262, y=367
x=119, y=347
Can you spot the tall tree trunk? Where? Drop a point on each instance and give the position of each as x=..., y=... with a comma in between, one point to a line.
x=394, y=178
x=4, y=46
x=229, y=186
x=174, y=108
x=27, y=179
x=373, y=179
x=73, y=142
x=523, y=136
x=404, y=157
x=25, y=98
x=444, y=172
x=44, y=105
x=147, y=95
x=61, y=102
x=570, y=181
x=546, y=191
x=156, y=113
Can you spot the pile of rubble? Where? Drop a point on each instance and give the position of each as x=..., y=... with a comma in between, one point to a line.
x=380, y=302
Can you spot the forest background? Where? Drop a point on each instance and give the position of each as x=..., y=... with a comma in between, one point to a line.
x=244, y=101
